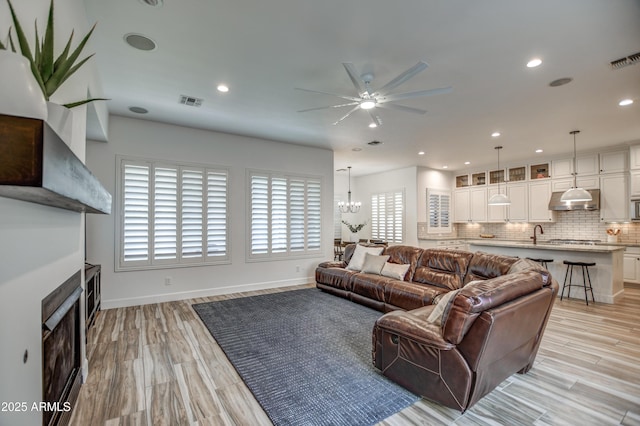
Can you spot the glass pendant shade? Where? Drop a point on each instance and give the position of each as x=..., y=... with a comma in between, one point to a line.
x=499, y=199
x=575, y=194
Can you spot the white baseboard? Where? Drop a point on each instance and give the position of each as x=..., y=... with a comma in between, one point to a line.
x=217, y=291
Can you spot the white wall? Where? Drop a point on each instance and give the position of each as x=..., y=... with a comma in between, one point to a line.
x=40, y=246
x=148, y=139
x=433, y=179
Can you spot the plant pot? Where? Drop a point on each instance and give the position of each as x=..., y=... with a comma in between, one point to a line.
x=61, y=121
x=20, y=94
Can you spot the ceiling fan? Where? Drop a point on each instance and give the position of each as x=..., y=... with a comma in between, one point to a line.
x=368, y=99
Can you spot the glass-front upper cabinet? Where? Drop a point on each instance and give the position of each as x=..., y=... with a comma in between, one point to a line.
x=517, y=174
x=496, y=176
x=539, y=171
x=462, y=181
x=479, y=178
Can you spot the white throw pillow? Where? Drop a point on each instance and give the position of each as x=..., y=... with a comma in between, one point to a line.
x=436, y=315
x=357, y=260
x=373, y=264
x=395, y=270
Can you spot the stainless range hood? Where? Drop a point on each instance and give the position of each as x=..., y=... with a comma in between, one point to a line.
x=556, y=204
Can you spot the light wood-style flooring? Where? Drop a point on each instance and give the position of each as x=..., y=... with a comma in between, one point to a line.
x=158, y=365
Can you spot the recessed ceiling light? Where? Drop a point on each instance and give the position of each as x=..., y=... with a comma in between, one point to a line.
x=373, y=125
x=445, y=167
x=625, y=102
x=535, y=62
x=538, y=151
x=356, y=149
x=495, y=134
x=223, y=88
x=421, y=153
x=466, y=163
x=561, y=82
x=140, y=42
x=138, y=110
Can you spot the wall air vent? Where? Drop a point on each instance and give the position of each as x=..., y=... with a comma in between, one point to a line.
x=190, y=101
x=627, y=60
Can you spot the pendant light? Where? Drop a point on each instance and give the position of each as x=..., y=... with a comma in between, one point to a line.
x=349, y=206
x=575, y=194
x=499, y=199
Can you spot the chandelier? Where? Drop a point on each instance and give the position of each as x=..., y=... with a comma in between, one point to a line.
x=349, y=206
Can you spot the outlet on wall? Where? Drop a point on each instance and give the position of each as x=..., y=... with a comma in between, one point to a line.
x=167, y=280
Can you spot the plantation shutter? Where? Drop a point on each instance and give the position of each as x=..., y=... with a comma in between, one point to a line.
x=135, y=216
x=172, y=215
x=438, y=211
x=387, y=216
x=285, y=215
x=217, y=234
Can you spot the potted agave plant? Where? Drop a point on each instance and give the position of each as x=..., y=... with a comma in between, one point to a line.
x=48, y=71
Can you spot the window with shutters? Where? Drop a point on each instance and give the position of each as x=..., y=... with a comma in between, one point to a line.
x=284, y=215
x=438, y=211
x=171, y=215
x=387, y=216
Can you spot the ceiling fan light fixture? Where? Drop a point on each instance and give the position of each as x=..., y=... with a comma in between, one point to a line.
x=368, y=104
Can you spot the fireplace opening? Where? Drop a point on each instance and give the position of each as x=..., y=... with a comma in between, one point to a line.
x=61, y=361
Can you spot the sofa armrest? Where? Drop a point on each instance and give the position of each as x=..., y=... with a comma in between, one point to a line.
x=414, y=327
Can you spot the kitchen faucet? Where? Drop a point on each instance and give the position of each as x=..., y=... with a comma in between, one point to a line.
x=534, y=238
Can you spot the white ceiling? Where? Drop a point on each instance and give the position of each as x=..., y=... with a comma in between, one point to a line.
x=265, y=49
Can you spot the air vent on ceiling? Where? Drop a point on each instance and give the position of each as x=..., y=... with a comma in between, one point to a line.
x=190, y=101
x=374, y=143
x=623, y=62
x=154, y=3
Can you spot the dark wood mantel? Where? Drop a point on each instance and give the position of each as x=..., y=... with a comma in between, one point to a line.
x=37, y=166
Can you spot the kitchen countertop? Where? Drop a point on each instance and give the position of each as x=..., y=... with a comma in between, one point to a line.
x=542, y=245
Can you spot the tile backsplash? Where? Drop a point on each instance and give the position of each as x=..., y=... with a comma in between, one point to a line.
x=579, y=225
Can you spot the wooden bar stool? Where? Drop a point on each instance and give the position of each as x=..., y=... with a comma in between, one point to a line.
x=543, y=262
x=585, y=277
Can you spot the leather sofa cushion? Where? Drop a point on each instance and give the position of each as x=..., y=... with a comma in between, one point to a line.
x=484, y=266
x=335, y=277
x=443, y=268
x=410, y=295
x=404, y=255
x=483, y=295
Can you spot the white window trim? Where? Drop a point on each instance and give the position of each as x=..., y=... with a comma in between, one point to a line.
x=287, y=254
x=151, y=264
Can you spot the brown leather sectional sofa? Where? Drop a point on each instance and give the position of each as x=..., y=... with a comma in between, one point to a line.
x=487, y=330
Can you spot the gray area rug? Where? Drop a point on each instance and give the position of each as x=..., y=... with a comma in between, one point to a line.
x=306, y=356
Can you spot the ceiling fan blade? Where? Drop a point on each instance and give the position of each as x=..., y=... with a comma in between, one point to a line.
x=327, y=107
x=419, y=67
x=403, y=108
x=349, y=98
x=348, y=66
x=409, y=95
x=357, y=107
x=375, y=118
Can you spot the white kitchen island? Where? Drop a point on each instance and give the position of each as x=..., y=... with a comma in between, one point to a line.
x=606, y=276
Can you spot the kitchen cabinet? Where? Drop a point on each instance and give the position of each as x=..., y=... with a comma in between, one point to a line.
x=539, y=171
x=479, y=178
x=614, y=199
x=585, y=165
x=496, y=213
x=634, y=157
x=586, y=182
x=613, y=162
x=462, y=181
x=470, y=205
x=634, y=190
x=444, y=244
x=461, y=206
x=518, y=210
x=478, y=204
x=631, y=265
x=539, y=196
